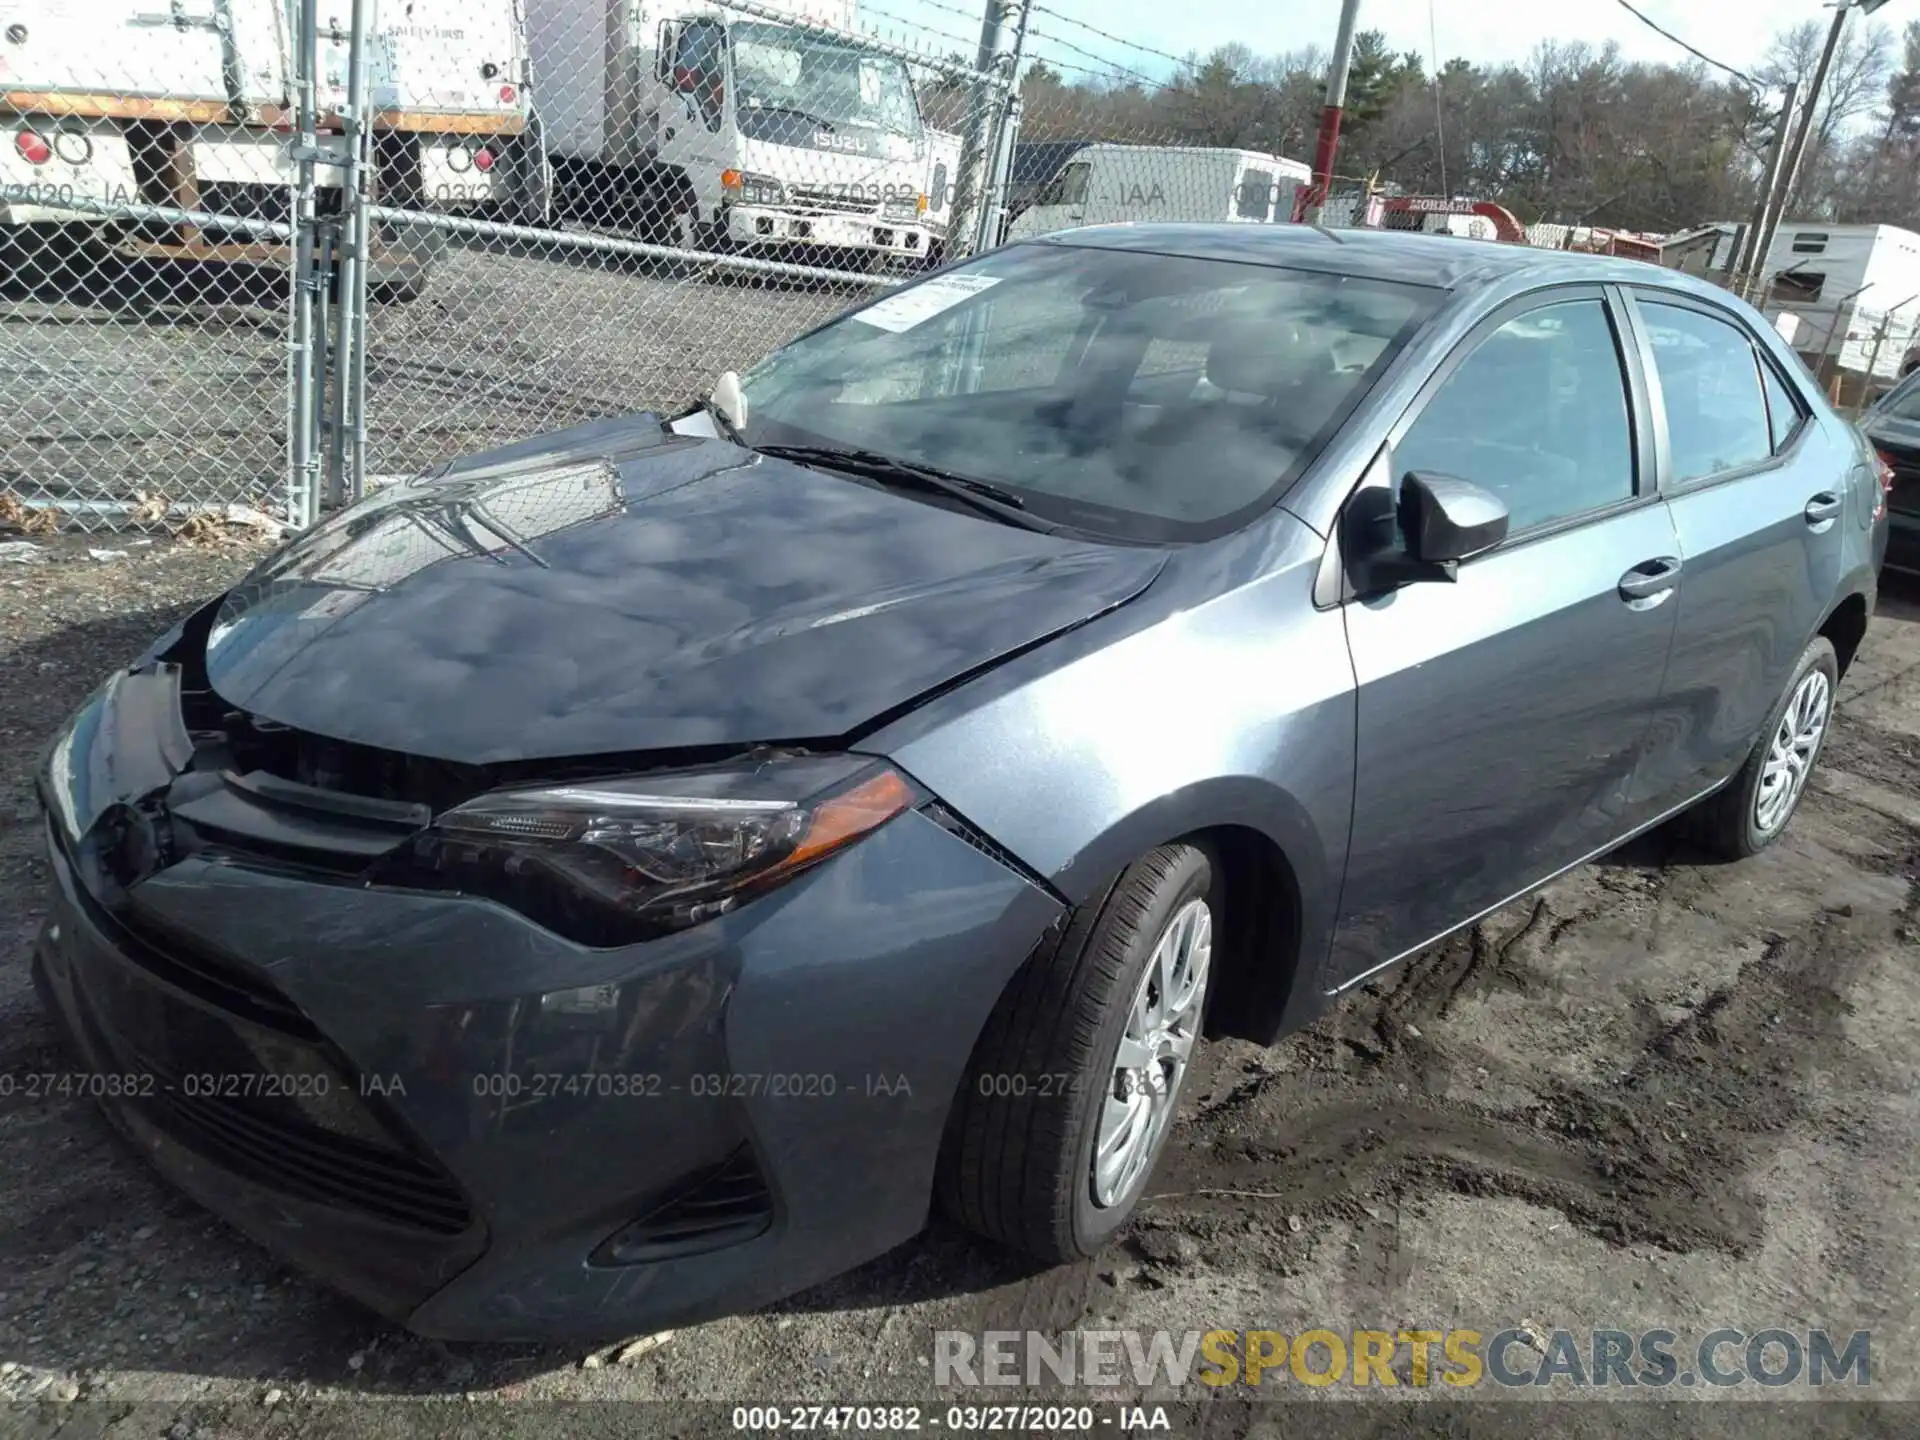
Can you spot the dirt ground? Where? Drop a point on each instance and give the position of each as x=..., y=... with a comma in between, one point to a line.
x=1659, y=1094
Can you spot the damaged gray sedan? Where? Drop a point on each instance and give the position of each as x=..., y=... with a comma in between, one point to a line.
x=628, y=876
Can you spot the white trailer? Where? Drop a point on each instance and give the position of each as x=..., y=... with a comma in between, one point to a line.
x=190, y=104
x=1099, y=184
x=730, y=131
x=1853, y=290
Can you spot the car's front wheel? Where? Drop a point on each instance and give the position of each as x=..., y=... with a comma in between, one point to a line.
x=1074, y=1084
x=1752, y=809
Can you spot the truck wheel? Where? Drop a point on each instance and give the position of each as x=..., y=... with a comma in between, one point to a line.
x=403, y=263
x=1074, y=1084
x=1750, y=811
x=683, y=231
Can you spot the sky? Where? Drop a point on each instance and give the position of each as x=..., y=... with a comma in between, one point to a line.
x=1735, y=32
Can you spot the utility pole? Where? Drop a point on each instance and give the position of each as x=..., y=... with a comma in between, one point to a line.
x=1328, y=143
x=1752, y=254
x=1816, y=90
x=993, y=211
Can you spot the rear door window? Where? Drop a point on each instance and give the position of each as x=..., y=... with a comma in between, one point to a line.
x=1717, y=417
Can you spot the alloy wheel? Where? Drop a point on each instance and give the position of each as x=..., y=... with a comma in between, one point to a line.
x=1791, y=752
x=1163, y=1025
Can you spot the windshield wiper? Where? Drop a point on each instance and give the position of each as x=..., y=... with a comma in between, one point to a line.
x=989, y=499
x=726, y=427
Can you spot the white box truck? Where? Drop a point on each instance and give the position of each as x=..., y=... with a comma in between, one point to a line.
x=190, y=104
x=712, y=129
x=1099, y=184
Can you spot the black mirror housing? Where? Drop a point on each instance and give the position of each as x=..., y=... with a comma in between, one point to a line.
x=1444, y=520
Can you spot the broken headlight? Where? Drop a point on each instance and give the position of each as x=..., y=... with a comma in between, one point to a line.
x=609, y=862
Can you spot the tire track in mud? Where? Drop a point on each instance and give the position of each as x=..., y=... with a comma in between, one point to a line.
x=1657, y=1156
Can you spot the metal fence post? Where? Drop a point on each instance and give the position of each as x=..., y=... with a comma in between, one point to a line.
x=304, y=342
x=346, y=472
x=993, y=214
x=992, y=95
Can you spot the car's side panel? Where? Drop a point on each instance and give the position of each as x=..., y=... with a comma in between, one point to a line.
x=1235, y=708
x=1501, y=719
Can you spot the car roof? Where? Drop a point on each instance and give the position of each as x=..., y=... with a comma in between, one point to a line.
x=1443, y=261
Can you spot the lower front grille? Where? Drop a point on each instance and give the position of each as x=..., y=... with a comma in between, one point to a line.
x=237, y=1073
x=186, y=966
x=313, y=1164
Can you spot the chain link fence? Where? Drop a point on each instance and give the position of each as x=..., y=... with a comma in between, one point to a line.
x=143, y=311
x=267, y=252
x=700, y=184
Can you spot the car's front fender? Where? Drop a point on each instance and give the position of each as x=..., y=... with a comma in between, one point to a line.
x=1221, y=701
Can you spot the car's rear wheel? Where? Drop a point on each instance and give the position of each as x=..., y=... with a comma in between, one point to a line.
x=1075, y=1083
x=1752, y=810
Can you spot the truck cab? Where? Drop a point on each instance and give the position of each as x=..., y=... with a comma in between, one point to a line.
x=758, y=134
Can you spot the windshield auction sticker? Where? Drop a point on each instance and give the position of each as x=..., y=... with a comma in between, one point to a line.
x=913, y=307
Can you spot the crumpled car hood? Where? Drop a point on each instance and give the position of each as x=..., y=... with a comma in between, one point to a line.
x=620, y=588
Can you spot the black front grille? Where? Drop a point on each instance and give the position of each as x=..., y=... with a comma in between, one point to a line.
x=324, y=1146
x=242, y=1077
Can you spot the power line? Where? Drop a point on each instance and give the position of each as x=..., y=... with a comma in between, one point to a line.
x=1106, y=35
x=964, y=14
x=1109, y=66
x=867, y=11
x=1659, y=29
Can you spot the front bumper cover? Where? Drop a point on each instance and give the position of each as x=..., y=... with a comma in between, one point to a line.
x=542, y=1094
x=763, y=225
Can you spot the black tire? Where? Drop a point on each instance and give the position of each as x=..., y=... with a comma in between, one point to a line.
x=1017, y=1162
x=1727, y=824
x=403, y=264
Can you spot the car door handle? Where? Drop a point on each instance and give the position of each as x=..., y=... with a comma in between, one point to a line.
x=1823, y=507
x=1650, y=579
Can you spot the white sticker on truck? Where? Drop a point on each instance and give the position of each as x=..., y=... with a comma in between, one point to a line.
x=924, y=301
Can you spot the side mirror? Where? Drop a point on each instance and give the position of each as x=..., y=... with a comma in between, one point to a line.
x=1445, y=520
x=1439, y=521
x=687, y=79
